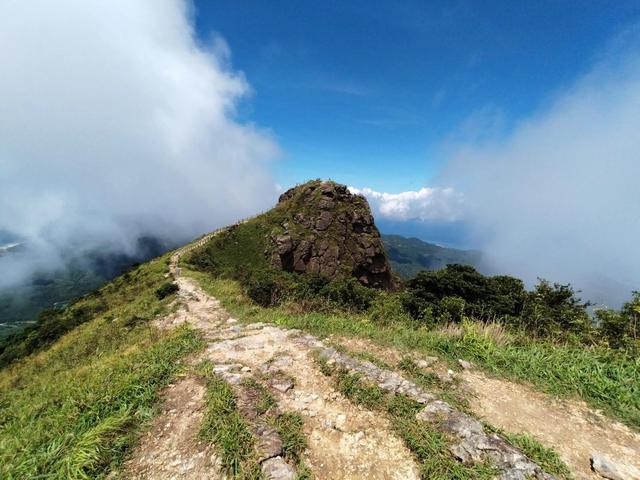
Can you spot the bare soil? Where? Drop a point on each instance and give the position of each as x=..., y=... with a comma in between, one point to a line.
x=170, y=448
x=568, y=426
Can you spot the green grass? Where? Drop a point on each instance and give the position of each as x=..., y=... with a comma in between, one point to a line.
x=225, y=427
x=71, y=410
x=430, y=381
x=264, y=401
x=605, y=379
x=289, y=426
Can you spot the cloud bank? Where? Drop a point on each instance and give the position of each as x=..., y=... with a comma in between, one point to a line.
x=427, y=204
x=558, y=197
x=115, y=122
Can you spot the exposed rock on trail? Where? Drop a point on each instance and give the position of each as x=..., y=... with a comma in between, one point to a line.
x=345, y=441
x=472, y=445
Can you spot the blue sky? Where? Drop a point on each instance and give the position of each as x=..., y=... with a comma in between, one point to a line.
x=511, y=127
x=369, y=93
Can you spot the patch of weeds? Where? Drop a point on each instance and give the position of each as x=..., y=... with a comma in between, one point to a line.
x=289, y=426
x=166, y=289
x=351, y=386
x=547, y=458
x=361, y=355
x=225, y=427
x=431, y=450
x=303, y=472
x=264, y=401
x=322, y=362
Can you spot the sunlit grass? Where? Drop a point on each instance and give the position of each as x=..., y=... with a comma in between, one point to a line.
x=71, y=411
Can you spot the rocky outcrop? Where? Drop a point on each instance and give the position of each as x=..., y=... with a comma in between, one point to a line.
x=329, y=231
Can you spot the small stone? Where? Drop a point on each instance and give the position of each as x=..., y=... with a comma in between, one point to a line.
x=466, y=365
x=608, y=469
x=232, y=321
x=245, y=369
x=269, y=442
x=426, y=362
x=282, y=385
x=341, y=419
x=277, y=469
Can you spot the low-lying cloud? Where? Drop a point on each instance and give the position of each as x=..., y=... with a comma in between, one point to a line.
x=427, y=204
x=115, y=123
x=559, y=196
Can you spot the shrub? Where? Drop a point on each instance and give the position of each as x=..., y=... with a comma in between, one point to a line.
x=554, y=310
x=267, y=288
x=166, y=289
x=621, y=329
x=348, y=293
x=452, y=309
x=485, y=297
x=387, y=308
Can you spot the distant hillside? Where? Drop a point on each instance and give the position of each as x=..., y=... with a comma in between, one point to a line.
x=408, y=256
x=21, y=304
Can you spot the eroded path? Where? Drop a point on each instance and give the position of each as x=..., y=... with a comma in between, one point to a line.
x=344, y=441
x=570, y=427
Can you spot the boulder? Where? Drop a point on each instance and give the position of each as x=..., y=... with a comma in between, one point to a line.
x=329, y=231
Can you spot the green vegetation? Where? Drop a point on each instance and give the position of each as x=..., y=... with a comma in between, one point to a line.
x=71, y=409
x=409, y=256
x=289, y=426
x=226, y=428
x=166, y=289
x=606, y=379
x=129, y=293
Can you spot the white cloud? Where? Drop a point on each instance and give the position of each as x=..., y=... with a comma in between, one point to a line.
x=559, y=196
x=426, y=204
x=116, y=122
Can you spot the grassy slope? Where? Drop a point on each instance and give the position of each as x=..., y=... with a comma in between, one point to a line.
x=604, y=379
x=71, y=410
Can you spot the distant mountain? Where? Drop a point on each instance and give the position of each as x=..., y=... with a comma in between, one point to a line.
x=410, y=255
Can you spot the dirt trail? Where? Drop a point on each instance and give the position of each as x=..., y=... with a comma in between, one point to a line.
x=569, y=427
x=344, y=440
x=170, y=449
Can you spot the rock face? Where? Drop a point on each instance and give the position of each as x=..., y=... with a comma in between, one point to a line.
x=329, y=231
